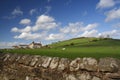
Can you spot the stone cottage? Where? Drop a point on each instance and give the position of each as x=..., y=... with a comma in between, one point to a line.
x=34, y=45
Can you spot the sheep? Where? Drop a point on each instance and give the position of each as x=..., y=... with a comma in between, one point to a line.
x=63, y=49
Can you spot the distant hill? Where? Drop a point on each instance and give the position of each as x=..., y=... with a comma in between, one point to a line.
x=86, y=42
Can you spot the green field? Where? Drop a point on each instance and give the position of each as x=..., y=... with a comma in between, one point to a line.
x=77, y=47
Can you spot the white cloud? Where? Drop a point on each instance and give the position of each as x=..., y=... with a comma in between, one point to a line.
x=15, y=29
x=32, y=11
x=31, y=36
x=7, y=44
x=44, y=22
x=25, y=21
x=58, y=36
x=113, y=14
x=17, y=11
x=90, y=26
x=106, y=4
x=112, y=33
x=43, y=19
x=72, y=28
x=28, y=36
x=77, y=27
x=92, y=33
x=26, y=29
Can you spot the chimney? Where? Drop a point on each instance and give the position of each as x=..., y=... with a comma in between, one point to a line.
x=33, y=42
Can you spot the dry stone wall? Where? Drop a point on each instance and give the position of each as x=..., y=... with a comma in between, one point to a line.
x=36, y=67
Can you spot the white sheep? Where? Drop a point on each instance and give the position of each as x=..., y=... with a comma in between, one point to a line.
x=63, y=49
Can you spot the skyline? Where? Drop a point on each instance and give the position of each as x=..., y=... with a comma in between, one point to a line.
x=49, y=21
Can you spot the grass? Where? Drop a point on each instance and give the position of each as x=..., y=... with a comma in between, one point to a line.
x=78, y=47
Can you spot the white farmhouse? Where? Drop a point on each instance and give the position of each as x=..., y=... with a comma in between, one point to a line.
x=34, y=45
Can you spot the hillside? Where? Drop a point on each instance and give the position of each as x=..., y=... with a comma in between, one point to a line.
x=87, y=42
x=77, y=47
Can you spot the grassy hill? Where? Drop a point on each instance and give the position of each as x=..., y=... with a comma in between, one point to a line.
x=78, y=47
x=87, y=42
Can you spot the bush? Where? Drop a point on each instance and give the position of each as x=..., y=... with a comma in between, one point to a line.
x=72, y=44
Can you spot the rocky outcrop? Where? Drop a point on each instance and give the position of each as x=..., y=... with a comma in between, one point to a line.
x=36, y=67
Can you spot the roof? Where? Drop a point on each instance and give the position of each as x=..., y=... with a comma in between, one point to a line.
x=23, y=45
x=37, y=44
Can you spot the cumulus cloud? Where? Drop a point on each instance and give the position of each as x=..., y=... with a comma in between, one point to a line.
x=32, y=11
x=25, y=21
x=31, y=36
x=17, y=11
x=58, y=36
x=91, y=33
x=44, y=22
x=72, y=28
x=90, y=26
x=113, y=14
x=27, y=36
x=77, y=27
x=26, y=29
x=112, y=33
x=106, y=4
x=7, y=44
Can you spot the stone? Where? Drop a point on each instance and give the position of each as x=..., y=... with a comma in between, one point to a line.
x=113, y=75
x=54, y=63
x=74, y=65
x=63, y=64
x=40, y=61
x=89, y=64
x=84, y=76
x=108, y=65
x=96, y=78
x=6, y=57
x=46, y=61
x=71, y=77
x=28, y=60
x=34, y=60
x=35, y=67
x=13, y=57
x=27, y=78
x=23, y=59
x=18, y=57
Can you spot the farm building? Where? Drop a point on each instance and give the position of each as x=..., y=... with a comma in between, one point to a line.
x=35, y=45
x=32, y=45
x=15, y=47
x=22, y=46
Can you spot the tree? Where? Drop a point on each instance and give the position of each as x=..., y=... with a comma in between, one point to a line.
x=108, y=36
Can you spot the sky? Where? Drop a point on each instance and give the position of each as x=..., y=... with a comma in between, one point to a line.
x=47, y=21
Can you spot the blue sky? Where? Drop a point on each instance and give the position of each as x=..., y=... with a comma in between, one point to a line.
x=46, y=21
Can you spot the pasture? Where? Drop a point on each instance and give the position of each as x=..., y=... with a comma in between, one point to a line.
x=77, y=47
